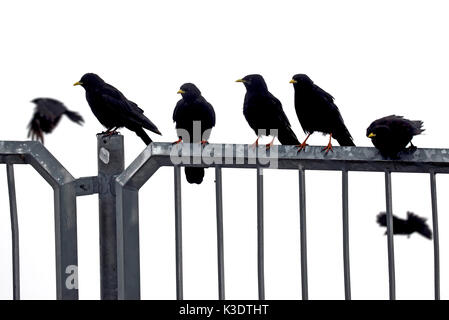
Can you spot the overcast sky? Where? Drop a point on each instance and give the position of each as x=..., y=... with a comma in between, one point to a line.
x=375, y=57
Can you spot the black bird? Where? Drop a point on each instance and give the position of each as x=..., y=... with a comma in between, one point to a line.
x=391, y=134
x=317, y=111
x=413, y=223
x=47, y=114
x=263, y=111
x=195, y=116
x=112, y=108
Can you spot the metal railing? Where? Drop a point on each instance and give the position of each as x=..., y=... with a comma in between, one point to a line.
x=344, y=159
x=118, y=191
x=34, y=154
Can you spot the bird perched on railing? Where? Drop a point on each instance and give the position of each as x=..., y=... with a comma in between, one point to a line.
x=391, y=134
x=317, y=111
x=413, y=223
x=47, y=114
x=194, y=116
x=264, y=112
x=113, y=109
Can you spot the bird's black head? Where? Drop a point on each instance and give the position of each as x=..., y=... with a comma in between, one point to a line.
x=378, y=132
x=189, y=91
x=301, y=81
x=89, y=80
x=254, y=82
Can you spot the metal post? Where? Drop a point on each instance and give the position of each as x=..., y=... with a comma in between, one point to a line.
x=14, y=231
x=178, y=233
x=391, y=271
x=347, y=273
x=220, y=250
x=111, y=162
x=436, y=245
x=303, y=233
x=260, y=240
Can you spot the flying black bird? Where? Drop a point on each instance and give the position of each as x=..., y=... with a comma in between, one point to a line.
x=46, y=117
x=197, y=117
x=391, y=134
x=413, y=223
x=317, y=111
x=112, y=108
x=263, y=111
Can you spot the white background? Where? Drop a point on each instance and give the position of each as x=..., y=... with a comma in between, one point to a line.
x=375, y=57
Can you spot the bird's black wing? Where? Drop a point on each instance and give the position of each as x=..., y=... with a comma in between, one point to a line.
x=129, y=111
x=209, y=112
x=49, y=109
x=178, y=110
x=45, y=118
x=331, y=117
x=286, y=135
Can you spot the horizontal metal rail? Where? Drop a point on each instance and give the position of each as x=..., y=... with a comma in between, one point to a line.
x=219, y=156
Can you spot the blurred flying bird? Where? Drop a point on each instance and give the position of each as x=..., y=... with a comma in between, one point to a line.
x=263, y=111
x=112, y=108
x=47, y=114
x=197, y=117
x=412, y=224
x=317, y=111
x=391, y=134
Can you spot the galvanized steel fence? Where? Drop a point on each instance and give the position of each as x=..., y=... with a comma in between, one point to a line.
x=118, y=190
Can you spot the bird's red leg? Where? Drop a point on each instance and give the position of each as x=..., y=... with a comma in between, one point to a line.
x=111, y=132
x=303, y=145
x=255, y=144
x=103, y=132
x=329, y=145
x=269, y=145
x=177, y=141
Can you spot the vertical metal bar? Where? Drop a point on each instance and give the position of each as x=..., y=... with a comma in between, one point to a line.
x=14, y=231
x=436, y=245
x=260, y=239
x=220, y=250
x=303, y=233
x=178, y=233
x=391, y=271
x=128, y=258
x=346, y=265
x=66, y=242
x=111, y=162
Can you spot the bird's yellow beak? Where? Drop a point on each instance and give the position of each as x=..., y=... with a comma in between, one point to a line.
x=78, y=83
x=181, y=91
x=371, y=135
x=239, y=80
x=293, y=81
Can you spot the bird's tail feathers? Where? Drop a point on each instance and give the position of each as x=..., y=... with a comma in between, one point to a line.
x=147, y=124
x=286, y=136
x=143, y=135
x=344, y=140
x=194, y=175
x=75, y=117
x=418, y=127
x=419, y=224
